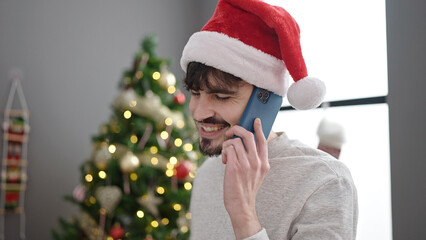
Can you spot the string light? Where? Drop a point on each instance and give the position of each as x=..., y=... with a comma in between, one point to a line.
x=177, y=207
x=154, y=161
x=102, y=174
x=188, y=215
x=171, y=89
x=184, y=229
x=164, y=135
x=153, y=149
x=92, y=200
x=140, y=214
x=160, y=190
x=154, y=223
x=169, y=173
x=134, y=139
x=178, y=142
x=187, y=186
x=139, y=74
x=168, y=121
x=132, y=103
x=173, y=160
x=156, y=75
x=127, y=114
x=180, y=124
x=88, y=177
x=165, y=221
x=170, y=166
x=187, y=147
x=191, y=175
x=110, y=238
x=133, y=176
x=112, y=148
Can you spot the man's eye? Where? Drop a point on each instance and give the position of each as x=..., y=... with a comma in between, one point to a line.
x=222, y=97
x=193, y=93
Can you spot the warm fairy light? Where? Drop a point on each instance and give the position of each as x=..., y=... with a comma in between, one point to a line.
x=168, y=121
x=160, y=190
x=171, y=89
x=180, y=124
x=110, y=238
x=140, y=214
x=154, y=223
x=164, y=135
x=133, y=176
x=169, y=173
x=173, y=160
x=178, y=142
x=132, y=103
x=188, y=215
x=88, y=177
x=184, y=229
x=191, y=175
x=139, y=74
x=187, y=186
x=187, y=147
x=165, y=221
x=92, y=200
x=156, y=75
x=170, y=166
x=177, y=207
x=102, y=174
x=112, y=148
x=153, y=149
x=154, y=161
x=127, y=114
x=134, y=139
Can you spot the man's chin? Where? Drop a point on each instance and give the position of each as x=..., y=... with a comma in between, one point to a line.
x=208, y=148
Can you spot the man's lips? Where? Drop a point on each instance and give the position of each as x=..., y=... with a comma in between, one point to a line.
x=211, y=130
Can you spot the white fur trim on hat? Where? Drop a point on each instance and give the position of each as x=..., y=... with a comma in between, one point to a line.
x=233, y=56
x=307, y=93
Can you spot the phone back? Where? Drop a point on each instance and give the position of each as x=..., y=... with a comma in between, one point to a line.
x=262, y=104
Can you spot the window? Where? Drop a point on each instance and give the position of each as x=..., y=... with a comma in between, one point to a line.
x=344, y=44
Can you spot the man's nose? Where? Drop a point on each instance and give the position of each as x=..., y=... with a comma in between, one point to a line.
x=202, y=109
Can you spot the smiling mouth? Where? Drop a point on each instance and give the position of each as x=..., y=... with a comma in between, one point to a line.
x=212, y=129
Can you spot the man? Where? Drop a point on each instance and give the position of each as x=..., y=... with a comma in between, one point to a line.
x=271, y=188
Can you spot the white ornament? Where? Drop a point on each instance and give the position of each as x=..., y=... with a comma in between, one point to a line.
x=129, y=162
x=108, y=197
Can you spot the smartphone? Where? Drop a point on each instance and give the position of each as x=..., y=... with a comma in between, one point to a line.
x=262, y=104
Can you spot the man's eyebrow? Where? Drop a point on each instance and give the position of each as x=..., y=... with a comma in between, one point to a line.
x=220, y=90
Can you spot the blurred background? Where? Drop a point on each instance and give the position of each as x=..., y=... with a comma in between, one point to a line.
x=72, y=55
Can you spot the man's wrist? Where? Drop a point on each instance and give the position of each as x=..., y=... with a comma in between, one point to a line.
x=245, y=225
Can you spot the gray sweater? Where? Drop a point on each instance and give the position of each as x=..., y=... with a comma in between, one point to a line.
x=307, y=194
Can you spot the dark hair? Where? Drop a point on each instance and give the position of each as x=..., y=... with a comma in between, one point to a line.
x=197, y=77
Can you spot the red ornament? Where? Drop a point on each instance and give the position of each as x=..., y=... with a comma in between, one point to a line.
x=179, y=98
x=183, y=169
x=116, y=232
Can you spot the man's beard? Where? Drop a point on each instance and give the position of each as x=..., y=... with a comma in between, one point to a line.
x=206, y=145
x=207, y=148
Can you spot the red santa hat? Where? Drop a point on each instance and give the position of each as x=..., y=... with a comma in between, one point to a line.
x=260, y=44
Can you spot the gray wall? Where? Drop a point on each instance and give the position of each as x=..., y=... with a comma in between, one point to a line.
x=406, y=25
x=73, y=54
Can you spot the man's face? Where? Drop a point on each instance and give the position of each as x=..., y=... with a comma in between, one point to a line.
x=215, y=110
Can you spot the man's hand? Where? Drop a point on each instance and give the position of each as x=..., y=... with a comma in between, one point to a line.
x=246, y=167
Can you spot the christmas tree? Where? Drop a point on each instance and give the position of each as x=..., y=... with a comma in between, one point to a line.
x=137, y=182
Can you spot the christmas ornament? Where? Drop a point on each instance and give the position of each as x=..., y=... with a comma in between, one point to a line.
x=183, y=169
x=129, y=162
x=331, y=137
x=108, y=197
x=79, y=193
x=150, y=202
x=116, y=231
x=89, y=226
x=179, y=98
x=167, y=79
x=102, y=157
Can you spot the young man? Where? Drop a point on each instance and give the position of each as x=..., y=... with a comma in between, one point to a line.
x=271, y=188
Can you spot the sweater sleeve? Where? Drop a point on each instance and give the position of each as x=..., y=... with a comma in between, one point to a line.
x=331, y=212
x=261, y=235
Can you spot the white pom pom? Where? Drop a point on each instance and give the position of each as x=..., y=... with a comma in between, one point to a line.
x=307, y=93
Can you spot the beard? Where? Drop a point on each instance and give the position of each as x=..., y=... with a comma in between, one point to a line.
x=207, y=146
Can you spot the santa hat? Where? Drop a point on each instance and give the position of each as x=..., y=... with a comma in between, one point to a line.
x=260, y=44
